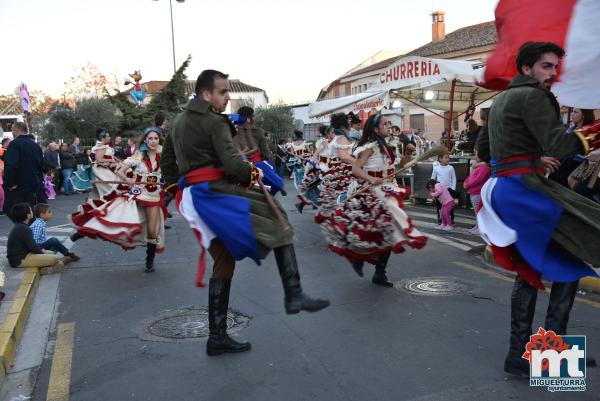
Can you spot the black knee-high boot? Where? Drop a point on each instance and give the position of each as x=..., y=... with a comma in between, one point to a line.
x=562, y=296
x=150, y=253
x=358, y=267
x=219, y=341
x=380, y=277
x=522, y=310
x=295, y=299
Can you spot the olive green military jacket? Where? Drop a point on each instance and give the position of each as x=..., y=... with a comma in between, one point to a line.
x=526, y=119
x=253, y=138
x=203, y=138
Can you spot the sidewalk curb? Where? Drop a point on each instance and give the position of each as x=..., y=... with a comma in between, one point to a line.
x=12, y=327
x=587, y=283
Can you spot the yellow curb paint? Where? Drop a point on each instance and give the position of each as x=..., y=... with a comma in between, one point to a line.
x=60, y=372
x=14, y=323
x=7, y=350
x=469, y=266
x=18, y=305
x=24, y=290
x=586, y=283
x=484, y=271
x=13, y=320
x=590, y=283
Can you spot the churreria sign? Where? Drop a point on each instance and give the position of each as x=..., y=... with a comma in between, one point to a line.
x=556, y=362
x=408, y=70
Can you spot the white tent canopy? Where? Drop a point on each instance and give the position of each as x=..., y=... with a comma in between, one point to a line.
x=430, y=83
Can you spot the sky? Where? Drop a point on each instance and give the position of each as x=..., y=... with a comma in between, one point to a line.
x=291, y=49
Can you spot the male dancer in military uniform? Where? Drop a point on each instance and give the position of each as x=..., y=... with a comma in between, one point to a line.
x=536, y=227
x=252, y=142
x=217, y=197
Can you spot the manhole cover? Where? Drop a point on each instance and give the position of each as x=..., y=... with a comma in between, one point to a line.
x=188, y=323
x=440, y=286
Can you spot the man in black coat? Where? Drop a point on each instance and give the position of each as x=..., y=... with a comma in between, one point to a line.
x=23, y=176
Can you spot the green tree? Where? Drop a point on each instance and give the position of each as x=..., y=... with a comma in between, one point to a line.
x=135, y=119
x=60, y=123
x=277, y=119
x=92, y=113
x=65, y=123
x=173, y=96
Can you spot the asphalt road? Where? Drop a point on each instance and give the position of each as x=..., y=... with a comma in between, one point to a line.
x=373, y=343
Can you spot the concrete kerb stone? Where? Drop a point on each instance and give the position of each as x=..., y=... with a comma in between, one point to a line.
x=591, y=284
x=12, y=327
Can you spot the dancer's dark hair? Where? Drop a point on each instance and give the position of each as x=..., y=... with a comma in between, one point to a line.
x=531, y=52
x=206, y=80
x=369, y=134
x=339, y=121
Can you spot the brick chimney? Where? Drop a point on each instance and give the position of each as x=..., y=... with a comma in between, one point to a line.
x=438, y=28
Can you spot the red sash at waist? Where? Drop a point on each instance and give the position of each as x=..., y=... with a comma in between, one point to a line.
x=520, y=164
x=255, y=157
x=380, y=173
x=203, y=174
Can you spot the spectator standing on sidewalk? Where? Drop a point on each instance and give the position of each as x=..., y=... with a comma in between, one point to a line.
x=160, y=122
x=67, y=165
x=5, y=142
x=43, y=214
x=52, y=163
x=445, y=174
x=120, y=151
x=76, y=150
x=473, y=184
x=23, y=176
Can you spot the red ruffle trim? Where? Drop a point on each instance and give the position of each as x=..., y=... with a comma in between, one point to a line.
x=374, y=235
x=510, y=259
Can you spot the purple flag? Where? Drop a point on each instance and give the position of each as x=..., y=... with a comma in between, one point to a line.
x=24, y=98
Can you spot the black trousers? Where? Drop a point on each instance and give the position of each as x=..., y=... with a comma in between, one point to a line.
x=32, y=197
x=523, y=301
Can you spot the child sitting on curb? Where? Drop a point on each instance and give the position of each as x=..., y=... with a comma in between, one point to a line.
x=43, y=213
x=21, y=249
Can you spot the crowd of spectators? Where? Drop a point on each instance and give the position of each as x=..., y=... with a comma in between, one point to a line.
x=32, y=174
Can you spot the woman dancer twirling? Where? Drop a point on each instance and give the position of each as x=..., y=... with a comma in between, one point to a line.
x=133, y=213
x=309, y=189
x=338, y=176
x=373, y=224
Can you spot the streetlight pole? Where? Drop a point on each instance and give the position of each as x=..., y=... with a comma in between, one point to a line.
x=172, y=36
x=173, y=32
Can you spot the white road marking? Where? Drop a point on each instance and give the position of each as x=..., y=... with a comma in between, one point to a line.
x=57, y=229
x=457, y=219
x=449, y=242
x=427, y=224
x=466, y=241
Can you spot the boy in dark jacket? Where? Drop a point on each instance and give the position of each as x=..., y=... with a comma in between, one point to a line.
x=21, y=249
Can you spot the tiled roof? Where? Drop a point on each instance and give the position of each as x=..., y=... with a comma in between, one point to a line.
x=151, y=87
x=372, y=67
x=478, y=35
x=235, y=85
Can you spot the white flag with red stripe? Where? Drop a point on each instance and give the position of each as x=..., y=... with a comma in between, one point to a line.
x=572, y=24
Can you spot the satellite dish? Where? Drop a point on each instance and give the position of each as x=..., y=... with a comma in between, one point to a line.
x=299, y=124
